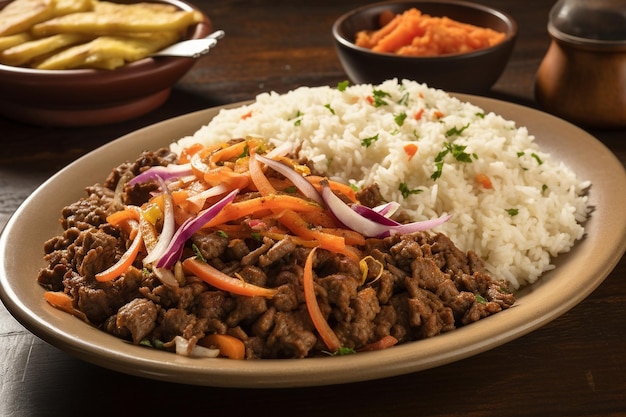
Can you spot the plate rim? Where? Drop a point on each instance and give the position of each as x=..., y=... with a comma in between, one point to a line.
x=56, y=327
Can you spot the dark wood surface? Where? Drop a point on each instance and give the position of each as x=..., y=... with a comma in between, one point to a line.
x=574, y=366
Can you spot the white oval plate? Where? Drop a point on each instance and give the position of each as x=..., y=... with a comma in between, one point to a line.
x=576, y=275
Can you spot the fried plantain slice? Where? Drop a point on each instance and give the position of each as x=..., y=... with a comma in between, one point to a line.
x=109, y=52
x=19, y=15
x=63, y=7
x=131, y=18
x=10, y=41
x=28, y=51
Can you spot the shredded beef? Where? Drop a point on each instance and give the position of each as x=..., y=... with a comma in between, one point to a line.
x=416, y=286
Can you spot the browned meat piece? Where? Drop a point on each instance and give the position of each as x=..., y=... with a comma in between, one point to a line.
x=139, y=317
x=370, y=196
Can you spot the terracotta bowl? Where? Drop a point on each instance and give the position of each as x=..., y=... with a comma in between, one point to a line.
x=86, y=97
x=472, y=72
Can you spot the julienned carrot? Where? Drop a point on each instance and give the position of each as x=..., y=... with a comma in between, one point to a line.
x=271, y=202
x=334, y=185
x=229, y=346
x=296, y=224
x=225, y=175
x=125, y=261
x=384, y=343
x=351, y=237
x=229, y=152
x=222, y=281
x=188, y=152
x=319, y=321
x=64, y=302
x=297, y=240
x=128, y=213
x=259, y=179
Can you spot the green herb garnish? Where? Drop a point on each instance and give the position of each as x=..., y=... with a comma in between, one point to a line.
x=404, y=189
x=298, y=118
x=329, y=108
x=457, y=151
x=379, y=96
x=455, y=131
x=341, y=352
x=399, y=118
x=342, y=85
x=196, y=250
x=512, y=212
x=367, y=142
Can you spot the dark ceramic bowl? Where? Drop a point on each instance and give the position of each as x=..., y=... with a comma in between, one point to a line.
x=86, y=97
x=472, y=72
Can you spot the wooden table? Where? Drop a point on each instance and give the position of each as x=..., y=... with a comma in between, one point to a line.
x=574, y=366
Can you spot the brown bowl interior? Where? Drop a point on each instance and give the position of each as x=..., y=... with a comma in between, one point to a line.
x=469, y=72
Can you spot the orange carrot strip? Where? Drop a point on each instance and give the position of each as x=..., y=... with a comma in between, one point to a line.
x=319, y=321
x=319, y=218
x=63, y=302
x=128, y=213
x=262, y=183
x=334, y=185
x=225, y=175
x=229, y=152
x=220, y=280
x=188, y=152
x=125, y=261
x=351, y=237
x=278, y=202
x=297, y=225
x=228, y=345
x=384, y=343
x=197, y=161
x=297, y=240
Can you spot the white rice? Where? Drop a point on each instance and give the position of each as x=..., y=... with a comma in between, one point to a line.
x=330, y=125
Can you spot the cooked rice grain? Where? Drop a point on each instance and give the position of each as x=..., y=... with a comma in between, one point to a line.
x=534, y=211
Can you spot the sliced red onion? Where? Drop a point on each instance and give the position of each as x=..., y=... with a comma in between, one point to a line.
x=176, y=244
x=169, y=226
x=372, y=214
x=166, y=276
x=163, y=172
x=200, y=198
x=186, y=348
x=295, y=177
x=283, y=149
x=387, y=209
x=405, y=229
x=372, y=224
